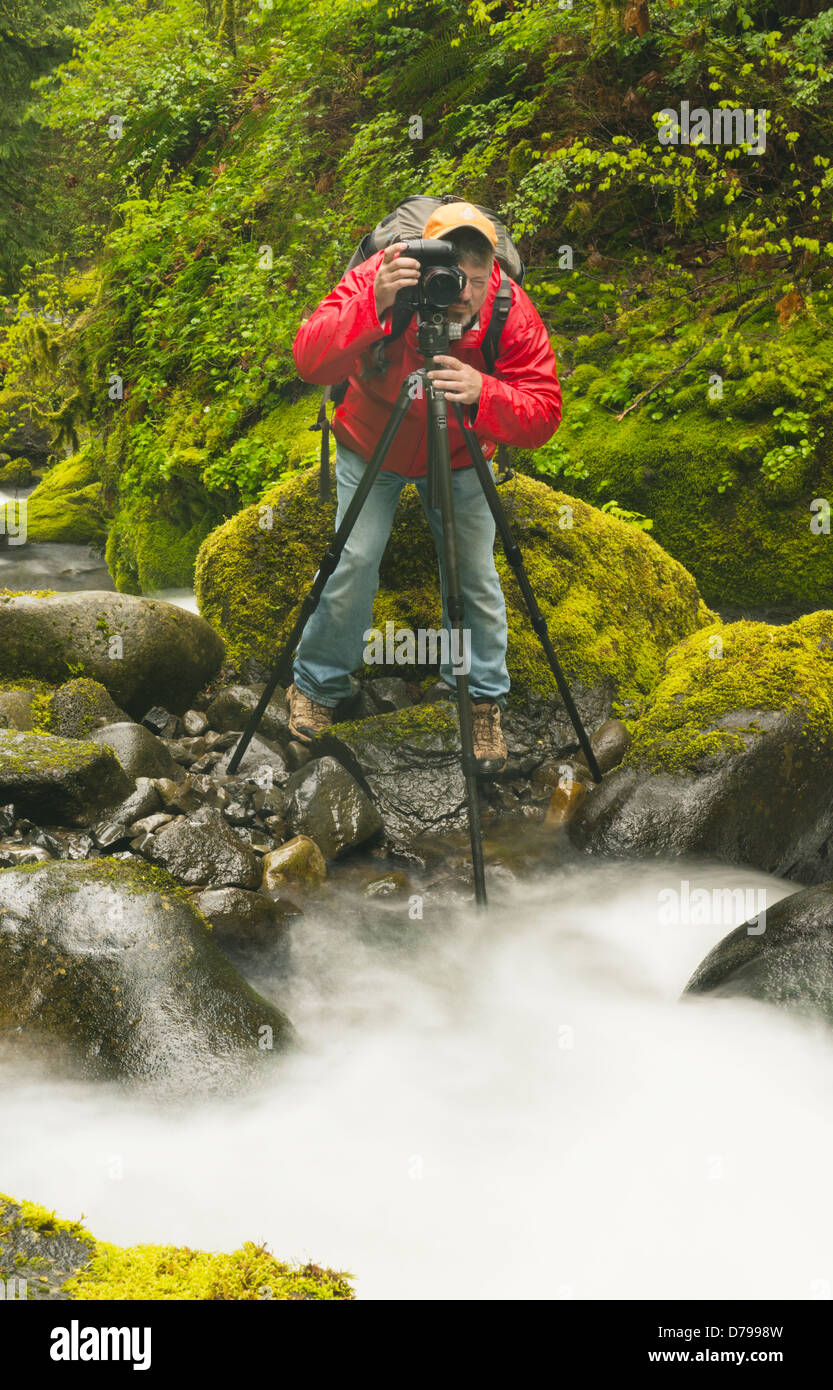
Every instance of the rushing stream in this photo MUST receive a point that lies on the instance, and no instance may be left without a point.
(515, 1107)
(510, 1107)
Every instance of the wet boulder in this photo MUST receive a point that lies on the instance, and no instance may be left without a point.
(140, 754)
(142, 801)
(203, 850)
(233, 706)
(783, 956)
(609, 743)
(389, 693)
(242, 919)
(408, 762)
(732, 756)
(264, 762)
(298, 863)
(57, 780)
(144, 651)
(326, 803)
(108, 968)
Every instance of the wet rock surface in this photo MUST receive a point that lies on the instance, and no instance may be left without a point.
(326, 803)
(233, 706)
(767, 805)
(56, 780)
(409, 765)
(732, 756)
(203, 849)
(108, 968)
(140, 754)
(242, 919)
(789, 963)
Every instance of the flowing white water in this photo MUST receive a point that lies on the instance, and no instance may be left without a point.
(517, 1108)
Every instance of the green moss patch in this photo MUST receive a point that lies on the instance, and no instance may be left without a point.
(762, 667)
(66, 505)
(102, 1271)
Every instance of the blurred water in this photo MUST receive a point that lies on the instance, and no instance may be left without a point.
(510, 1107)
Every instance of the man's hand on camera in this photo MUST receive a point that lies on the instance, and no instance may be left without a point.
(395, 273)
(457, 380)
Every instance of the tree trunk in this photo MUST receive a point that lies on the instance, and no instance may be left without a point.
(226, 36)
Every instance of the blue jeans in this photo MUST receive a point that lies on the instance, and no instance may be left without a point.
(332, 643)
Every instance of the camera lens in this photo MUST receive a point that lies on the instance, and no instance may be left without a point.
(441, 285)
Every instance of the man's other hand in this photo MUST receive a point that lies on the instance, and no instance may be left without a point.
(396, 272)
(457, 380)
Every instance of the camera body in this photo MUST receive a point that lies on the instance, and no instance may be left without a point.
(441, 279)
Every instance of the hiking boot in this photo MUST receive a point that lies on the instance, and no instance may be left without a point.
(489, 744)
(306, 717)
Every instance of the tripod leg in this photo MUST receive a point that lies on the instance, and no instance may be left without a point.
(280, 670)
(438, 433)
(513, 555)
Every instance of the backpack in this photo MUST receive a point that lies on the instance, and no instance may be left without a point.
(405, 222)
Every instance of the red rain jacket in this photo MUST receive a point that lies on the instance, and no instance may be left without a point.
(520, 404)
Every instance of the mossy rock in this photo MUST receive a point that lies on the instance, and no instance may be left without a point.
(109, 971)
(613, 601)
(143, 651)
(57, 780)
(78, 707)
(17, 472)
(51, 1259)
(147, 550)
(66, 504)
(72, 710)
(722, 669)
(732, 755)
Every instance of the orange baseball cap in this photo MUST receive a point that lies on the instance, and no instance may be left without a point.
(451, 216)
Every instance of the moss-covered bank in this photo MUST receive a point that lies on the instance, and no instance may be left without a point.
(159, 525)
(732, 458)
(60, 1259)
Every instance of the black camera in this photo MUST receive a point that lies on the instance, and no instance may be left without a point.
(441, 279)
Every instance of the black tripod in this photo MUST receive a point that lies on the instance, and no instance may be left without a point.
(432, 338)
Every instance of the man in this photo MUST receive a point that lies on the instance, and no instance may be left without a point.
(520, 404)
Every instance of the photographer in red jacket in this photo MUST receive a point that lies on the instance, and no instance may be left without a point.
(520, 404)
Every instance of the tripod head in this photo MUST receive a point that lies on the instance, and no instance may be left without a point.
(434, 331)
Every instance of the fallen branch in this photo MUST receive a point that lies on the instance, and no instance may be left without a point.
(739, 319)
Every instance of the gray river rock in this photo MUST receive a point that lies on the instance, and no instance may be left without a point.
(788, 963)
(145, 652)
(108, 971)
(327, 804)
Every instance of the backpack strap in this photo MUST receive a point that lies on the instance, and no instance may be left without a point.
(490, 348)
